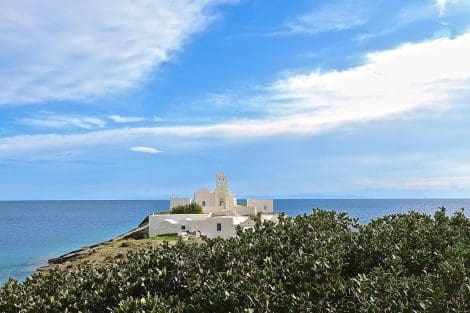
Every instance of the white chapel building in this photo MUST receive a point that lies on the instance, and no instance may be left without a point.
(221, 213)
(222, 201)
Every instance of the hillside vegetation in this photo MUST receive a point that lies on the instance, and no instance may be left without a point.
(109, 252)
(321, 262)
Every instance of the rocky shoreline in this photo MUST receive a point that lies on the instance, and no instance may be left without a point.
(141, 232)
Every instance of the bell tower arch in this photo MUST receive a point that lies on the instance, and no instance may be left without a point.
(222, 193)
(221, 180)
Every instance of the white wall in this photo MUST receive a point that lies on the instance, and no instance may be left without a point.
(245, 210)
(212, 209)
(174, 202)
(163, 228)
(228, 224)
(222, 193)
(160, 224)
(209, 227)
(262, 205)
(204, 194)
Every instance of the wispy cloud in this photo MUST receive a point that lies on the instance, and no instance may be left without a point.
(331, 16)
(412, 76)
(442, 5)
(50, 120)
(87, 48)
(430, 75)
(126, 119)
(412, 13)
(220, 100)
(437, 11)
(144, 150)
(158, 119)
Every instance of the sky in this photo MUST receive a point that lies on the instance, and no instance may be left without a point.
(142, 99)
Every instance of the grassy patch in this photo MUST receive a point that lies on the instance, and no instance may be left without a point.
(143, 242)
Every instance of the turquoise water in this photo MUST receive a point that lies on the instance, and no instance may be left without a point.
(33, 231)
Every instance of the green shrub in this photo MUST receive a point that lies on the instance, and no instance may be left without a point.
(192, 208)
(322, 262)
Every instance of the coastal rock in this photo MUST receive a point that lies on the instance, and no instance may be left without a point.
(140, 232)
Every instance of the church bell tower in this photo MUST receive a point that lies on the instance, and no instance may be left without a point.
(221, 180)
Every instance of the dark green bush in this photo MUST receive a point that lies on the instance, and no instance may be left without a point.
(322, 262)
(192, 208)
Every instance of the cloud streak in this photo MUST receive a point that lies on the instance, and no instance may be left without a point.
(430, 75)
(332, 16)
(147, 150)
(126, 119)
(52, 120)
(442, 5)
(49, 120)
(83, 49)
(413, 76)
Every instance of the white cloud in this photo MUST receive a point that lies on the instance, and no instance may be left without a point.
(442, 5)
(444, 12)
(144, 150)
(79, 49)
(158, 119)
(126, 119)
(52, 120)
(332, 16)
(414, 12)
(431, 75)
(413, 76)
(49, 120)
(219, 100)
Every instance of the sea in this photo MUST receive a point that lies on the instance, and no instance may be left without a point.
(31, 232)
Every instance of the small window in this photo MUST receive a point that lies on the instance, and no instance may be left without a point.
(221, 203)
(219, 227)
(183, 227)
(203, 203)
(265, 207)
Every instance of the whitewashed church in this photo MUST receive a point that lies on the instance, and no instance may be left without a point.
(221, 213)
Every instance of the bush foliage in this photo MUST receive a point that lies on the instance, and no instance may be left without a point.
(192, 208)
(322, 262)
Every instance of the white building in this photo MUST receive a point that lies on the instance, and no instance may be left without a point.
(222, 201)
(221, 213)
(161, 224)
(199, 224)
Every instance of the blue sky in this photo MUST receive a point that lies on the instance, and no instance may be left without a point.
(147, 99)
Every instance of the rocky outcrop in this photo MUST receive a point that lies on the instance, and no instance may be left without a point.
(140, 232)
